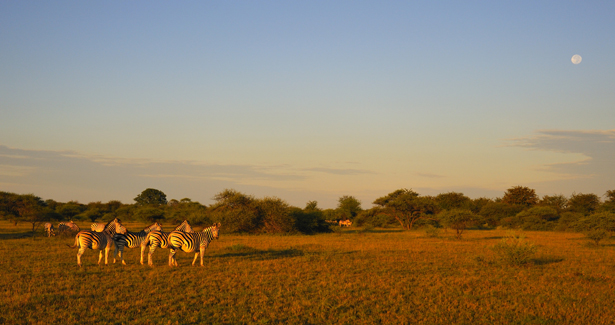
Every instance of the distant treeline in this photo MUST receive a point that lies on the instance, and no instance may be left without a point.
(518, 208)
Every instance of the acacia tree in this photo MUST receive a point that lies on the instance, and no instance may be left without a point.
(151, 196)
(458, 219)
(520, 195)
(453, 200)
(406, 206)
(236, 210)
(349, 206)
(583, 203)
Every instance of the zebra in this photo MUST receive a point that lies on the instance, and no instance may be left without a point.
(190, 242)
(160, 239)
(95, 240)
(49, 229)
(98, 227)
(132, 240)
(70, 226)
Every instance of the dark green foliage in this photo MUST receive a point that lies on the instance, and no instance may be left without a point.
(275, 216)
(406, 206)
(151, 196)
(453, 200)
(583, 203)
(69, 211)
(458, 219)
(520, 195)
(148, 214)
(493, 212)
(558, 202)
(535, 218)
(348, 207)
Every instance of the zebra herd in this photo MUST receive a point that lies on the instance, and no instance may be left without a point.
(113, 234)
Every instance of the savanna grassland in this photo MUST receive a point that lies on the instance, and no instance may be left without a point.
(348, 277)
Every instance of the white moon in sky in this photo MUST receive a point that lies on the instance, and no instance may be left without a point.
(576, 59)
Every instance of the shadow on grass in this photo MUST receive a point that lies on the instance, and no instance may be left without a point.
(17, 235)
(260, 255)
(544, 260)
(372, 231)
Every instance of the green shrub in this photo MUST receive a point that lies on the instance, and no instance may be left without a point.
(515, 250)
(431, 231)
(597, 235)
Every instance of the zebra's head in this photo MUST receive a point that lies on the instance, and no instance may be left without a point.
(215, 230)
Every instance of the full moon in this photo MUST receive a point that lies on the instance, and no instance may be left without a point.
(576, 59)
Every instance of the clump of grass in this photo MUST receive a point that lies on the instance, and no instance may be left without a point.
(432, 232)
(514, 249)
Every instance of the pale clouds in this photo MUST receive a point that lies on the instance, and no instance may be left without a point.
(594, 174)
(68, 175)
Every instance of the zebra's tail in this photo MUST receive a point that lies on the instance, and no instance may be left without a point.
(76, 242)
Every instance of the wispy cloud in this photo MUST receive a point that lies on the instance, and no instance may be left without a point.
(339, 171)
(595, 171)
(68, 175)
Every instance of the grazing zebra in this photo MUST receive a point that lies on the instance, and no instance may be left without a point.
(160, 239)
(345, 223)
(132, 240)
(95, 240)
(70, 226)
(190, 242)
(49, 229)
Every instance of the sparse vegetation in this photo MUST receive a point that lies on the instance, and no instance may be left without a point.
(381, 276)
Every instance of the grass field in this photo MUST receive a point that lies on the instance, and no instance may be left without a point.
(352, 277)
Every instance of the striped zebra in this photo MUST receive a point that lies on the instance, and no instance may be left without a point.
(131, 240)
(95, 240)
(99, 227)
(160, 239)
(49, 229)
(190, 242)
(70, 226)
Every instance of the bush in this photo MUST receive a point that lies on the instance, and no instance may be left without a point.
(597, 235)
(431, 231)
(515, 250)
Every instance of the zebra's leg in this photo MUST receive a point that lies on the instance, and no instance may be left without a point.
(202, 249)
(142, 251)
(149, 255)
(172, 257)
(79, 253)
(100, 255)
(196, 255)
(107, 249)
(122, 256)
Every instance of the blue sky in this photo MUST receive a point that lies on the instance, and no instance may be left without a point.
(305, 100)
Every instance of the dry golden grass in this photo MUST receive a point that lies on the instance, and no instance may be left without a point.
(383, 276)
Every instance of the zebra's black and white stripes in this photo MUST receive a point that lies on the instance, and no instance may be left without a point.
(65, 227)
(190, 242)
(160, 239)
(95, 240)
(131, 240)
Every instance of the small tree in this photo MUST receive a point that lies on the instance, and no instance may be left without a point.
(453, 200)
(458, 219)
(520, 195)
(406, 207)
(275, 215)
(348, 206)
(151, 196)
(583, 203)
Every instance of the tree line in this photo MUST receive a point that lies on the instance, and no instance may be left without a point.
(518, 208)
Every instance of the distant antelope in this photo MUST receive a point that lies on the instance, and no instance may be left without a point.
(345, 223)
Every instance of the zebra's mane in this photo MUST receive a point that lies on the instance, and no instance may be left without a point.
(185, 226)
(116, 220)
